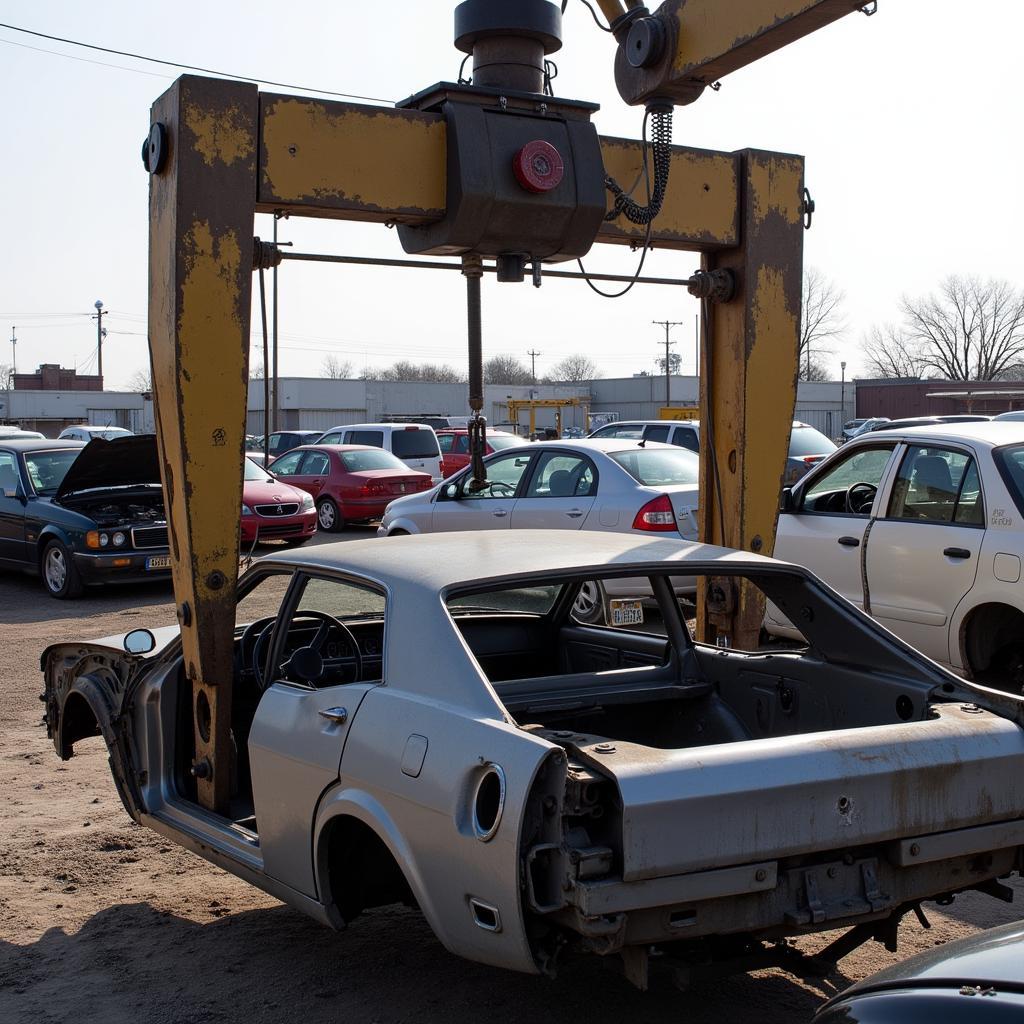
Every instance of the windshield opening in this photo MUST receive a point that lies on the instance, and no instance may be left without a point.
(808, 441)
(501, 441)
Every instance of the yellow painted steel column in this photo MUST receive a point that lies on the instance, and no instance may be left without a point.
(748, 385)
(202, 204)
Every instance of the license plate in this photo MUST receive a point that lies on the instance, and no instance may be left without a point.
(158, 562)
(626, 613)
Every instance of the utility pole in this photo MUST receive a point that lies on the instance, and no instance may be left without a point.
(100, 335)
(14, 351)
(667, 324)
(273, 416)
(533, 364)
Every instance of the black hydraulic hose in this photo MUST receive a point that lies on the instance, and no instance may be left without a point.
(472, 269)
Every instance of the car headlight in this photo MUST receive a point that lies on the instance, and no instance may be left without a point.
(307, 502)
(104, 540)
(246, 511)
(118, 539)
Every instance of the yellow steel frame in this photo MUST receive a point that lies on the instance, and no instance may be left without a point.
(233, 152)
(515, 405)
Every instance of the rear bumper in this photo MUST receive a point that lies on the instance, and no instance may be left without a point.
(120, 567)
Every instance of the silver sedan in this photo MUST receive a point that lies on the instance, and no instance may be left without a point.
(620, 485)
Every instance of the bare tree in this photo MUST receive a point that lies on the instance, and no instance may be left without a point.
(675, 363)
(141, 382)
(822, 323)
(406, 370)
(5, 375)
(574, 369)
(506, 370)
(335, 369)
(890, 353)
(970, 330)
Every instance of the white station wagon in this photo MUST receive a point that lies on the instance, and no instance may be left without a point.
(421, 720)
(924, 529)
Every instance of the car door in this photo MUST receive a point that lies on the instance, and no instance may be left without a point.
(12, 510)
(287, 467)
(825, 530)
(312, 473)
(299, 730)
(922, 554)
(459, 508)
(560, 494)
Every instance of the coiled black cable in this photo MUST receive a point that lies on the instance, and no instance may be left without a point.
(661, 155)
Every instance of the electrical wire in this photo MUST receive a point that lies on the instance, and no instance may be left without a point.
(85, 60)
(191, 67)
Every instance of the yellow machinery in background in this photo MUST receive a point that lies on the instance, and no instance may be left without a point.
(679, 412)
(517, 405)
(508, 179)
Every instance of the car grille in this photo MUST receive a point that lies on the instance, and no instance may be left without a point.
(266, 532)
(278, 510)
(149, 536)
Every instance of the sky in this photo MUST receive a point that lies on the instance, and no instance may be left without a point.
(913, 157)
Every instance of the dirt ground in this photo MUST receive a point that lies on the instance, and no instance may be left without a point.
(101, 920)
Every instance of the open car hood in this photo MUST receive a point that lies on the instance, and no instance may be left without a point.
(122, 462)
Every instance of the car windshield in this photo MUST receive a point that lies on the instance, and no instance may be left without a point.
(414, 444)
(501, 441)
(657, 466)
(808, 441)
(47, 470)
(1011, 468)
(526, 600)
(375, 458)
(254, 472)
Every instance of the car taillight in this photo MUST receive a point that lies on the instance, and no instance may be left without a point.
(656, 516)
(812, 459)
(425, 485)
(369, 489)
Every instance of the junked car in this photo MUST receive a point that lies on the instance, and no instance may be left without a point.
(538, 786)
(81, 514)
(619, 485)
(921, 527)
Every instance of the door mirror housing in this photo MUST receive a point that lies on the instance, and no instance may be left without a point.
(787, 501)
(139, 641)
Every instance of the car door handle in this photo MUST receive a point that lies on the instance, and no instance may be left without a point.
(574, 513)
(849, 542)
(500, 513)
(957, 553)
(339, 715)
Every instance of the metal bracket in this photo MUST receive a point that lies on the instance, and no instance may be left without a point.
(809, 207)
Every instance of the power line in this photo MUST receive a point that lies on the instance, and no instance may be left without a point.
(190, 67)
(85, 60)
(667, 324)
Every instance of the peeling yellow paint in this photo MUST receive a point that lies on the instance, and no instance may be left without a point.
(777, 187)
(770, 400)
(220, 137)
(390, 160)
(701, 201)
(710, 28)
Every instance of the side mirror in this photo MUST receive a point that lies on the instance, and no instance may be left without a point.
(451, 491)
(17, 492)
(139, 641)
(787, 503)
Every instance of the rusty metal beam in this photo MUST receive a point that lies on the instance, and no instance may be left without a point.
(202, 203)
(354, 162)
(705, 40)
(748, 377)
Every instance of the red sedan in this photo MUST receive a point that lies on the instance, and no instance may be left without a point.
(274, 510)
(454, 444)
(349, 482)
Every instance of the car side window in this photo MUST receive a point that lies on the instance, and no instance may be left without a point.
(314, 464)
(939, 486)
(330, 439)
(562, 476)
(461, 446)
(373, 438)
(686, 437)
(831, 492)
(658, 433)
(445, 442)
(503, 478)
(8, 475)
(277, 442)
(287, 465)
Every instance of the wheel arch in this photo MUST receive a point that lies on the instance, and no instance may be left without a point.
(985, 630)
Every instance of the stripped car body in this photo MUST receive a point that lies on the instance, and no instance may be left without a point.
(534, 783)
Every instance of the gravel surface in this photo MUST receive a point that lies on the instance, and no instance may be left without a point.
(103, 921)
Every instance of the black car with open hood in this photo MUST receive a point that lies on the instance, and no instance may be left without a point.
(79, 514)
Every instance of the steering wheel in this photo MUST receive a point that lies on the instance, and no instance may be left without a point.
(503, 488)
(306, 662)
(861, 505)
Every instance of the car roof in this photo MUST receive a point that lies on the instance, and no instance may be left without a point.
(336, 448)
(377, 426)
(608, 445)
(991, 432)
(435, 561)
(35, 444)
(649, 423)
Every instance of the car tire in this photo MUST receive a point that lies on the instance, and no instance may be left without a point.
(297, 542)
(1007, 670)
(589, 604)
(59, 572)
(399, 533)
(328, 516)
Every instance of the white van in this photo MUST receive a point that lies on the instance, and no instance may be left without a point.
(414, 443)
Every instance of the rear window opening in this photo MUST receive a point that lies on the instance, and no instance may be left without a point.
(656, 467)
(414, 444)
(358, 462)
(808, 441)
